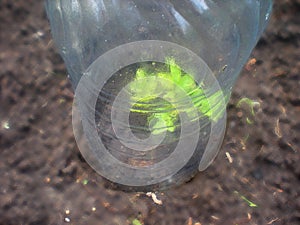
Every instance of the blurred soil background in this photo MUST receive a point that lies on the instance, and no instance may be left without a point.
(44, 180)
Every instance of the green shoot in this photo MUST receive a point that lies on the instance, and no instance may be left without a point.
(85, 182)
(250, 203)
(251, 104)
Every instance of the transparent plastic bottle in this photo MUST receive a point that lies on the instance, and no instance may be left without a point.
(152, 80)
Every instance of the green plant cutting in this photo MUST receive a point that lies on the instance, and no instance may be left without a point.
(157, 93)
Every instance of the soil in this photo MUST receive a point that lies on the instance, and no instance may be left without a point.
(45, 180)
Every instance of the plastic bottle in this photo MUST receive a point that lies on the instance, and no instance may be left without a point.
(152, 80)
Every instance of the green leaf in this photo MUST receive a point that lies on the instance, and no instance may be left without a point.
(187, 83)
(140, 73)
(136, 222)
(174, 69)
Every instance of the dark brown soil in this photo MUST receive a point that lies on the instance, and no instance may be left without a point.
(44, 180)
